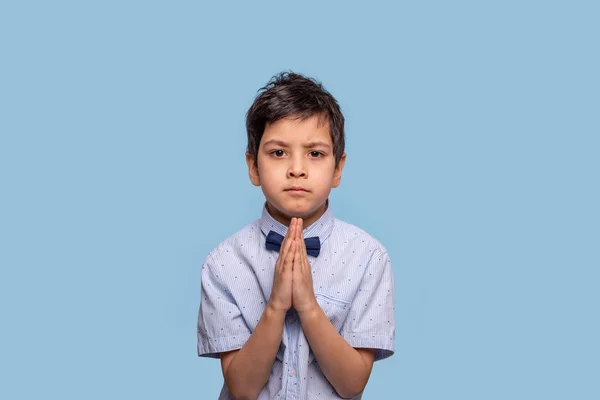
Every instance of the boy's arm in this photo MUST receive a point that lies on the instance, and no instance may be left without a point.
(248, 369)
(346, 368)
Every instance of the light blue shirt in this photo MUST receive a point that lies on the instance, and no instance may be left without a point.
(353, 284)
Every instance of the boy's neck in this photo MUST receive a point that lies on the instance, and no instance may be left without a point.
(306, 222)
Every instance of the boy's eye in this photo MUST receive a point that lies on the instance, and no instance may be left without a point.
(281, 153)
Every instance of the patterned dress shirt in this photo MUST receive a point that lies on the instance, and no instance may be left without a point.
(353, 284)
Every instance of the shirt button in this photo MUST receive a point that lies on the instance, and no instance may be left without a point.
(292, 372)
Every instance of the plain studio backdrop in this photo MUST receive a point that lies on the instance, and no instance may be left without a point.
(473, 156)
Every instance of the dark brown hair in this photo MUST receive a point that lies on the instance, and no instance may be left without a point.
(289, 94)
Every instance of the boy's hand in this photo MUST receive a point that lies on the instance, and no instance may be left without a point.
(281, 294)
(303, 294)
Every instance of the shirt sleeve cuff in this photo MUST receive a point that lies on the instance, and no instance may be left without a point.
(211, 347)
(382, 343)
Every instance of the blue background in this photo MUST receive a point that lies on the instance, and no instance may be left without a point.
(473, 156)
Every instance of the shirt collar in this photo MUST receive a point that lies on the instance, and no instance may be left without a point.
(321, 227)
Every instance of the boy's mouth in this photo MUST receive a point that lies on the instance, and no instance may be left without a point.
(297, 189)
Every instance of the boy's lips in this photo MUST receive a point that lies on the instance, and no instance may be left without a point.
(296, 190)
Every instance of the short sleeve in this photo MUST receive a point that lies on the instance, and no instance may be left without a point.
(370, 322)
(221, 326)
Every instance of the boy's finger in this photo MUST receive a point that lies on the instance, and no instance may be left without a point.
(289, 236)
(305, 263)
(290, 227)
(296, 230)
(291, 254)
(296, 264)
(286, 237)
(285, 242)
(301, 236)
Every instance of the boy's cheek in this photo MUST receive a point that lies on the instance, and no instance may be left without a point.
(272, 177)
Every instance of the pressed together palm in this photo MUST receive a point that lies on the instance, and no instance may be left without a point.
(292, 281)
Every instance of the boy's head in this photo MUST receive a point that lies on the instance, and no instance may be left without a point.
(295, 140)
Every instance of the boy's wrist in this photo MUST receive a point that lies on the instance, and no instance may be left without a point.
(310, 312)
(274, 311)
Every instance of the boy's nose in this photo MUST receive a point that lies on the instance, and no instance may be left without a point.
(296, 170)
(296, 173)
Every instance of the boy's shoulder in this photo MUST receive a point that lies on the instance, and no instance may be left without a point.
(357, 236)
(231, 245)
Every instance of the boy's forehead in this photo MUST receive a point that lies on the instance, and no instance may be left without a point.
(295, 130)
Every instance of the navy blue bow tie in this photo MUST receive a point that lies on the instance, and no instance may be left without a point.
(313, 244)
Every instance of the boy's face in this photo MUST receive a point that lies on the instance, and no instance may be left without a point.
(296, 154)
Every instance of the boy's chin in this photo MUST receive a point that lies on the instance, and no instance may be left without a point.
(296, 211)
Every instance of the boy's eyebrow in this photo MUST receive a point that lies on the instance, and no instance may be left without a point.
(307, 145)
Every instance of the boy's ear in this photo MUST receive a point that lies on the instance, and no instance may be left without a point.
(337, 173)
(252, 169)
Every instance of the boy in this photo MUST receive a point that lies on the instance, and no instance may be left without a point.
(297, 304)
